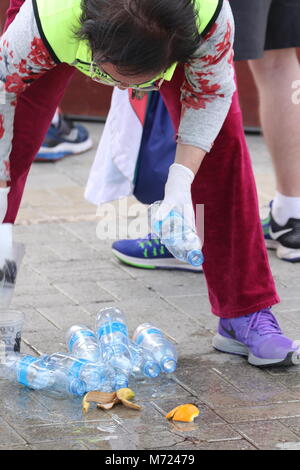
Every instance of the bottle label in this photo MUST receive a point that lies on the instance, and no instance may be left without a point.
(23, 367)
(75, 370)
(76, 336)
(113, 327)
(150, 331)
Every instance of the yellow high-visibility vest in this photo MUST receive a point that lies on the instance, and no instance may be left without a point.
(58, 20)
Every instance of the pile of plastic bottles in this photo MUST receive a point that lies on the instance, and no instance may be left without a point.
(102, 360)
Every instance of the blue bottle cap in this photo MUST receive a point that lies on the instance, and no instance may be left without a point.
(152, 369)
(195, 258)
(168, 365)
(77, 387)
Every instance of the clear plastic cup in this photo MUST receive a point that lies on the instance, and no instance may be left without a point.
(11, 323)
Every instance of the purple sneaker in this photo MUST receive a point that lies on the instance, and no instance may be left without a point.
(259, 337)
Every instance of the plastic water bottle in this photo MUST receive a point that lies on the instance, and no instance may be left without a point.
(143, 362)
(153, 339)
(32, 372)
(82, 343)
(120, 380)
(180, 239)
(112, 334)
(92, 374)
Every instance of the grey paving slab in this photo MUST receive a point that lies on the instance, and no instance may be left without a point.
(15, 448)
(268, 435)
(8, 435)
(290, 380)
(54, 299)
(60, 445)
(84, 291)
(293, 424)
(66, 316)
(43, 234)
(49, 433)
(19, 406)
(259, 413)
(236, 444)
(27, 276)
(86, 232)
(110, 442)
(198, 307)
(52, 340)
(127, 289)
(179, 284)
(35, 321)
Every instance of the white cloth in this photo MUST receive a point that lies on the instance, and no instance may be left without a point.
(113, 171)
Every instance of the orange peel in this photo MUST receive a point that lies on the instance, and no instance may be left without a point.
(185, 413)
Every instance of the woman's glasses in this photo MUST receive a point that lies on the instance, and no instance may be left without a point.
(100, 76)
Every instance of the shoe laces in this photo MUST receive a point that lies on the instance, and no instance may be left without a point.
(148, 241)
(264, 322)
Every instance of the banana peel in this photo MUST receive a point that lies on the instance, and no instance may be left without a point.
(185, 413)
(106, 401)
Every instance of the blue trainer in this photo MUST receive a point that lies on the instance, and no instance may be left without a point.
(149, 253)
(62, 140)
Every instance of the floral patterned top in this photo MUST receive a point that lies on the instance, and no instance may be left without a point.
(206, 92)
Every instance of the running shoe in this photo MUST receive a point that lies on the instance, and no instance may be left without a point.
(64, 139)
(259, 337)
(149, 253)
(285, 239)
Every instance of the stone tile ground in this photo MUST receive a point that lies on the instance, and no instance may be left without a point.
(68, 275)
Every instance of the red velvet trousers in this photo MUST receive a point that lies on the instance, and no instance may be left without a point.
(236, 265)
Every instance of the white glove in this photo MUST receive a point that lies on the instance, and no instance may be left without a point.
(3, 203)
(178, 194)
(8, 267)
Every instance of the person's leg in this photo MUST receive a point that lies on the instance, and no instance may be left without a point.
(34, 112)
(274, 74)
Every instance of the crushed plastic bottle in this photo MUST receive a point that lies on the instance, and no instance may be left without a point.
(120, 380)
(153, 339)
(143, 362)
(112, 334)
(94, 375)
(33, 372)
(82, 343)
(180, 239)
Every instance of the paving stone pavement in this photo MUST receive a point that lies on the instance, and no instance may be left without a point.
(68, 275)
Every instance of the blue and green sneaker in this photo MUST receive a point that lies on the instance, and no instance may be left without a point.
(62, 140)
(149, 253)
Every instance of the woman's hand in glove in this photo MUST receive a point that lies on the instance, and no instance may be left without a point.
(178, 186)
(178, 194)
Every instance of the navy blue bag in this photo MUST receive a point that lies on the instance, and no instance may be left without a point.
(157, 152)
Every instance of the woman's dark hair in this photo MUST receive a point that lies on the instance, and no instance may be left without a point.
(140, 36)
